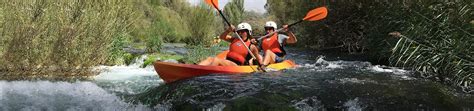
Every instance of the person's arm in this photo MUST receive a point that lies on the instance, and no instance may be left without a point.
(254, 50)
(256, 43)
(225, 35)
(291, 37)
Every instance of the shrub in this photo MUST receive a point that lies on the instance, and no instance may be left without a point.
(55, 38)
(154, 38)
(173, 28)
(202, 25)
(234, 11)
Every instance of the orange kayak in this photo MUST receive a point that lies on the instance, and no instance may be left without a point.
(171, 72)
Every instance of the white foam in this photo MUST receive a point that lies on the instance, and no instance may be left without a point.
(322, 64)
(123, 72)
(217, 107)
(396, 71)
(321, 60)
(353, 105)
(379, 68)
(334, 66)
(355, 80)
(309, 104)
(45, 95)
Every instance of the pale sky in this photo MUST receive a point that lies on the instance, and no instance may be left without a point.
(255, 5)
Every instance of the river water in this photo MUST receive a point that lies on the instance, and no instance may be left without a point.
(319, 83)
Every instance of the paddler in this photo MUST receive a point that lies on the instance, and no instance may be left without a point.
(238, 54)
(272, 46)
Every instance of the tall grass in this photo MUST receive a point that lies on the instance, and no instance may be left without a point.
(2, 39)
(438, 42)
(49, 38)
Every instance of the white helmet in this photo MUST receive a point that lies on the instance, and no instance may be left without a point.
(271, 24)
(245, 26)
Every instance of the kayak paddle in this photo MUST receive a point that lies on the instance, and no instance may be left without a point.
(214, 3)
(313, 15)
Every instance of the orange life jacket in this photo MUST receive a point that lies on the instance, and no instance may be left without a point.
(238, 52)
(271, 43)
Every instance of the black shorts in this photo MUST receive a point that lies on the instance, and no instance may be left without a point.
(280, 57)
(237, 62)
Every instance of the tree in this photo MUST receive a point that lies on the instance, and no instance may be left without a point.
(234, 11)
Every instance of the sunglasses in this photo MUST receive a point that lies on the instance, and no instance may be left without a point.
(241, 31)
(268, 28)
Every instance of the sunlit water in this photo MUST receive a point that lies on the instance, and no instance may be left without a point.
(317, 84)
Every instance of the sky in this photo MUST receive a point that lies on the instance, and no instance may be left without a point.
(254, 5)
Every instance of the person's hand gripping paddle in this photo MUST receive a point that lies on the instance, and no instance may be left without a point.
(313, 15)
(214, 3)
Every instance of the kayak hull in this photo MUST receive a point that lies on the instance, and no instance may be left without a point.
(171, 72)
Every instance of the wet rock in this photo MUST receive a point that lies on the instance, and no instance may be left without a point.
(134, 51)
(173, 45)
(174, 48)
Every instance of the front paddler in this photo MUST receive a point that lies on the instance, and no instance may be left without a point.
(238, 54)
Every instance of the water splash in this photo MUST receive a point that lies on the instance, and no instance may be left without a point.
(46, 95)
(353, 105)
(355, 80)
(322, 65)
(123, 72)
(309, 104)
(403, 74)
(217, 107)
(131, 79)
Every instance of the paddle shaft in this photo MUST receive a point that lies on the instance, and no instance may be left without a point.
(240, 38)
(279, 30)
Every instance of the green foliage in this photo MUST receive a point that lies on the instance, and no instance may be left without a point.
(234, 11)
(49, 36)
(176, 21)
(436, 35)
(172, 27)
(257, 20)
(198, 53)
(154, 38)
(437, 41)
(202, 25)
(160, 56)
(308, 33)
(116, 54)
(129, 58)
(3, 40)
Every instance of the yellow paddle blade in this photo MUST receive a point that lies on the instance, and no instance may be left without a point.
(213, 3)
(316, 14)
